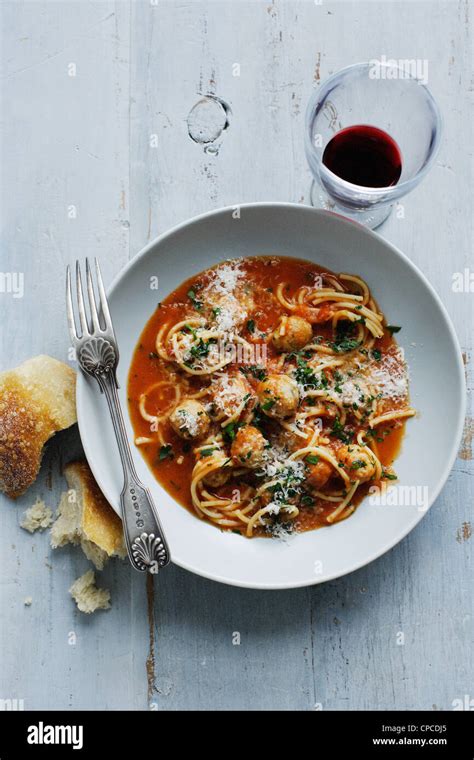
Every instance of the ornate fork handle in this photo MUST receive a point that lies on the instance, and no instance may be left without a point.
(147, 547)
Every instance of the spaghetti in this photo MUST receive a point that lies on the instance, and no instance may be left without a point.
(268, 395)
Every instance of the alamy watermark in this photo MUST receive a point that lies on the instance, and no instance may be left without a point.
(42, 733)
(463, 703)
(463, 282)
(12, 283)
(395, 495)
(401, 68)
(11, 704)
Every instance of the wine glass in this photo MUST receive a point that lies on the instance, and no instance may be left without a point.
(377, 94)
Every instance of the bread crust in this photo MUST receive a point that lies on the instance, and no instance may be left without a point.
(37, 399)
(99, 524)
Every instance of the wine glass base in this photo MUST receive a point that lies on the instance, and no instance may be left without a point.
(371, 218)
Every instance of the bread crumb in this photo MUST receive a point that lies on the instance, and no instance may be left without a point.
(37, 517)
(67, 529)
(27, 601)
(87, 596)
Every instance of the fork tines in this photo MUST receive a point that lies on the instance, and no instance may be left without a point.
(89, 327)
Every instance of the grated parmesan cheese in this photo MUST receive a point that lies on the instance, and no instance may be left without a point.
(229, 393)
(289, 472)
(390, 375)
(225, 277)
(387, 378)
(282, 531)
(189, 422)
(230, 312)
(352, 391)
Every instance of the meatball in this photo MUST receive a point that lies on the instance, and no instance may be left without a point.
(358, 463)
(277, 496)
(248, 447)
(218, 478)
(318, 474)
(228, 311)
(229, 393)
(278, 396)
(189, 419)
(292, 334)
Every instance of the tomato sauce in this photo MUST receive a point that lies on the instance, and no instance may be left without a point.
(262, 276)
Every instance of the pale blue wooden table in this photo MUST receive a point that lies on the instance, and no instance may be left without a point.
(97, 160)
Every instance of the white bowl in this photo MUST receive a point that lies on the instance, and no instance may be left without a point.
(436, 385)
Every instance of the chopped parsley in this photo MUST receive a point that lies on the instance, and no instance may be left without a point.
(345, 345)
(344, 340)
(230, 430)
(191, 330)
(393, 329)
(251, 326)
(166, 452)
(340, 432)
(208, 452)
(201, 349)
(338, 380)
(259, 419)
(372, 433)
(359, 464)
(257, 372)
(195, 301)
(312, 458)
(306, 376)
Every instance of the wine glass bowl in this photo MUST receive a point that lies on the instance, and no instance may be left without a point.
(367, 95)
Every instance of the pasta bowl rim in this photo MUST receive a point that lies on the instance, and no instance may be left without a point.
(89, 406)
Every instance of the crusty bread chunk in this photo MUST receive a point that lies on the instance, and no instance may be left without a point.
(85, 517)
(37, 517)
(87, 596)
(36, 400)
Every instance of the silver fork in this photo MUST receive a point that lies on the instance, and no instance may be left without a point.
(97, 354)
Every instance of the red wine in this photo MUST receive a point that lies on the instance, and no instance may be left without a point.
(365, 156)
